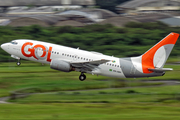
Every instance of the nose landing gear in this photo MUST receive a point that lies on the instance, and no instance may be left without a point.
(82, 77)
(18, 63)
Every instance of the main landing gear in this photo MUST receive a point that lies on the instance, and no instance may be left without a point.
(18, 63)
(82, 77)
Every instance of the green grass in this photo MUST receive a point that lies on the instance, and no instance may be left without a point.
(126, 95)
(172, 59)
(84, 111)
(85, 103)
(34, 75)
(149, 103)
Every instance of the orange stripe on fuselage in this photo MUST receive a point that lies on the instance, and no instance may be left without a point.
(147, 58)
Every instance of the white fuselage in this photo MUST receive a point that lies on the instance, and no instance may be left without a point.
(44, 52)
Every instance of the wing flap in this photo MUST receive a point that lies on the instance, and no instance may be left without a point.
(90, 65)
(97, 62)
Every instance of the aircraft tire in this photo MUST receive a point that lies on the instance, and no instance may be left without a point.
(82, 77)
(18, 63)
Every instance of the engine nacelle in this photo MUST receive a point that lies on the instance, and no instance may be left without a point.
(60, 65)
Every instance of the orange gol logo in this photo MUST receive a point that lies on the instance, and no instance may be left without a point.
(33, 51)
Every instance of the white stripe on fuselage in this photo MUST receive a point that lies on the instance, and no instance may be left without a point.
(110, 69)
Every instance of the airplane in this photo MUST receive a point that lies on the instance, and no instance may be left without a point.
(68, 59)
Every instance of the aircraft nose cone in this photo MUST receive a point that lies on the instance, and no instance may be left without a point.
(3, 46)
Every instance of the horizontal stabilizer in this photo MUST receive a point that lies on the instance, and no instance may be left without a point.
(160, 69)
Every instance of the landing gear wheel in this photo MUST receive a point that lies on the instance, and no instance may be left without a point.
(18, 63)
(82, 77)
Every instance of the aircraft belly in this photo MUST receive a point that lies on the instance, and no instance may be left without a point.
(112, 72)
(36, 60)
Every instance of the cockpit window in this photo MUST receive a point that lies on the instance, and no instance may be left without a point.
(14, 42)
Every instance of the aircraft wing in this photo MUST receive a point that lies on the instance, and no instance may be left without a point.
(89, 65)
(160, 69)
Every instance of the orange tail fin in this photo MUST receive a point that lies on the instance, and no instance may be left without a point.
(158, 54)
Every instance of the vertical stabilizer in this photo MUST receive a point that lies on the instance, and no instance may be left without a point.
(158, 54)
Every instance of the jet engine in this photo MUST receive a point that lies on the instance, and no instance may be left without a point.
(61, 65)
